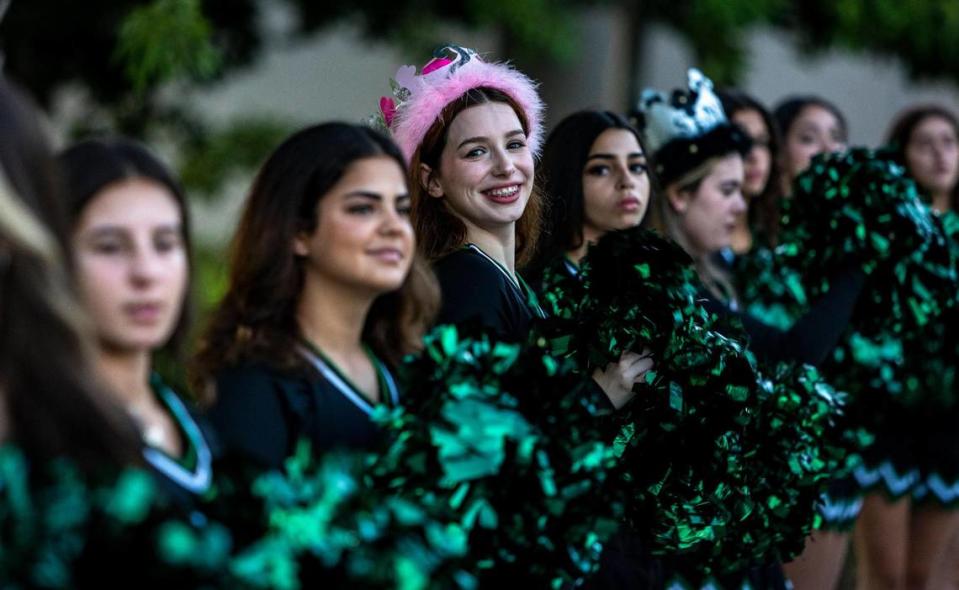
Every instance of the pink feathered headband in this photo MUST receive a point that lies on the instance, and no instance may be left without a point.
(418, 99)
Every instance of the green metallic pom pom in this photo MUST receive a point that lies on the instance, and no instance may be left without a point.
(509, 442)
(860, 209)
(63, 527)
(719, 468)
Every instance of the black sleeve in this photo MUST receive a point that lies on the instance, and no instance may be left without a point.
(595, 393)
(814, 335)
(249, 417)
(473, 291)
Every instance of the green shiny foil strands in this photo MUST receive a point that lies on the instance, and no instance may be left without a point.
(769, 289)
(694, 466)
(635, 290)
(62, 529)
(801, 431)
(859, 208)
(932, 367)
(774, 292)
(317, 523)
(936, 363)
(560, 291)
(328, 527)
(507, 441)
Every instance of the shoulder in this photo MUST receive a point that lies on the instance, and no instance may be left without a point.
(470, 286)
(251, 413)
(257, 385)
(466, 266)
(244, 378)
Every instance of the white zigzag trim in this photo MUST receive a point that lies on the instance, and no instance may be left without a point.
(943, 492)
(897, 484)
(839, 510)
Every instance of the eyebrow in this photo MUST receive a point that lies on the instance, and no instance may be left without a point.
(479, 139)
(365, 195)
(815, 126)
(613, 157)
(373, 196)
(106, 229)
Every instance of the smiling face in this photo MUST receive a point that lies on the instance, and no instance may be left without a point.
(758, 162)
(615, 184)
(132, 265)
(815, 131)
(707, 214)
(363, 238)
(932, 155)
(486, 168)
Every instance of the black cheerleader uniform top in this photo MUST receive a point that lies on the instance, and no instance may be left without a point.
(477, 288)
(191, 474)
(261, 412)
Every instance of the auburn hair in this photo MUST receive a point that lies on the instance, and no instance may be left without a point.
(438, 230)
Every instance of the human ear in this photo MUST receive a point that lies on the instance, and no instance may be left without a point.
(429, 182)
(301, 245)
(678, 199)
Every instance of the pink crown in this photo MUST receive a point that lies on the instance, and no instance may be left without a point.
(418, 99)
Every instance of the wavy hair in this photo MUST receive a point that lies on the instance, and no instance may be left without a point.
(256, 320)
(438, 230)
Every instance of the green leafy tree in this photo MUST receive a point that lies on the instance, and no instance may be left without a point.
(924, 34)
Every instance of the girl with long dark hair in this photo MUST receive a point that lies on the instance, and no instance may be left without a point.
(595, 171)
(326, 295)
(131, 249)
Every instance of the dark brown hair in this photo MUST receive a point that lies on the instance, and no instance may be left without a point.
(47, 383)
(789, 109)
(438, 230)
(764, 212)
(901, 134)
(256, 321)
(92, 165)
(561, 172)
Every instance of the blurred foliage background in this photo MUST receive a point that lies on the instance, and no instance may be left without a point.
(132, 58)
